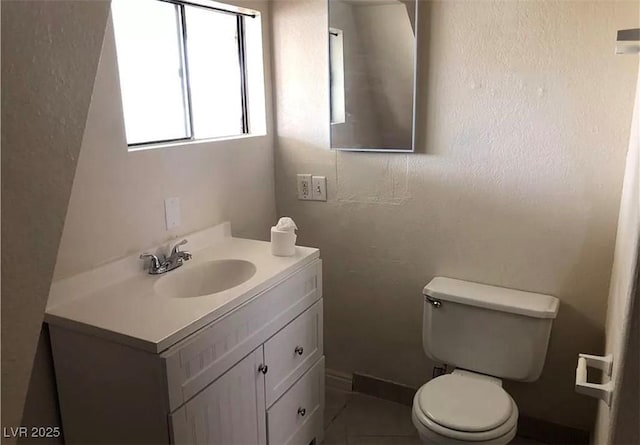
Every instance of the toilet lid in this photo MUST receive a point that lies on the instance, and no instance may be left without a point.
(465, 404)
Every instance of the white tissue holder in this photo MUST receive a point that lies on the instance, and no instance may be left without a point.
(602, 391)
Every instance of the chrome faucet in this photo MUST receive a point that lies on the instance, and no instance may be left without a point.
(160, 264)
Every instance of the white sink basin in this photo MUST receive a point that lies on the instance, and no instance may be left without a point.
(204, 279)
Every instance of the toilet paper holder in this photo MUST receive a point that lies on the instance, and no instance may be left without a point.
(603, 391)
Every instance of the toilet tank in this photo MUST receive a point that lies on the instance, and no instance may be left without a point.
(487, 329)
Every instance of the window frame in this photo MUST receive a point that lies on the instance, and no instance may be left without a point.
(184, 64)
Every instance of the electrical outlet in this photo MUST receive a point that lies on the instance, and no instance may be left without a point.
(172, 212)
(319, 188)
(304, 187)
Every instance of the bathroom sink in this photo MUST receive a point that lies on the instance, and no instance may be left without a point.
(205, 278)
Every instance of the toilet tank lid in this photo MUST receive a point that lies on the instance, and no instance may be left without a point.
(492, 297)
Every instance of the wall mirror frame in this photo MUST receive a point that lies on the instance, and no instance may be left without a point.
(372, 74)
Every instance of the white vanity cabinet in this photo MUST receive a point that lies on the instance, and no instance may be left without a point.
(253, 376)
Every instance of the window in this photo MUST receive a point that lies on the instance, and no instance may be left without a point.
(183, 70)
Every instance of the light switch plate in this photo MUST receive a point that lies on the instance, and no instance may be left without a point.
(304, 187)
(172, 212)
(319, 188)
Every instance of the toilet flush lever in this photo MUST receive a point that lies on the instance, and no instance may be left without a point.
(434, 301)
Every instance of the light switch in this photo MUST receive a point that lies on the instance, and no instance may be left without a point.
(319, 188)
(172, 212)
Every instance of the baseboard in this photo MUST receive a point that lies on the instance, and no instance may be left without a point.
(549, 432)
(338, 380)
(383, 389)
(528, 427)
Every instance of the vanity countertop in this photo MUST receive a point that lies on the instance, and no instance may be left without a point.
(117, 301)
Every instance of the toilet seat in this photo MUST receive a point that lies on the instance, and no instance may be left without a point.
(465, 403)
(432, 438)
(466, 407)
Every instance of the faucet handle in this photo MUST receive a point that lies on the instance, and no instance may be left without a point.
(176, 248)
(155, 261)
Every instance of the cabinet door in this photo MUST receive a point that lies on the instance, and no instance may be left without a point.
(230, 411)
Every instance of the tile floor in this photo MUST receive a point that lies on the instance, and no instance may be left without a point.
(358, 419)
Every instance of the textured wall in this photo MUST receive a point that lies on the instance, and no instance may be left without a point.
(117, 203)
(622, 341)
(522, 131)
(50, 53)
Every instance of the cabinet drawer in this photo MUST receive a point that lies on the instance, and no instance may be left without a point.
(292, 351)
(195, 362)
(296, 418)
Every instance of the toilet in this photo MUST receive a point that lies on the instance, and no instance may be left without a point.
(486, 333)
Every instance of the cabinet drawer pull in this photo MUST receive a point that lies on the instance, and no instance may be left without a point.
(299, 350)
(302, 411)
(263, 368)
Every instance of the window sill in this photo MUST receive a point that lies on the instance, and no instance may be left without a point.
(176, 144)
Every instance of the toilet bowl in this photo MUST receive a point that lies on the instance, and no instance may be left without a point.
(487, 333)
(462, 408)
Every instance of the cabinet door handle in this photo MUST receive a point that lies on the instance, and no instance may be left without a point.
(263, 368)
(299, 350)
(302, 411)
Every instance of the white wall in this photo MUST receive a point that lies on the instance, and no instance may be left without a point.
(117, 202)
(49, 58)
(522, 132)
(622, 293)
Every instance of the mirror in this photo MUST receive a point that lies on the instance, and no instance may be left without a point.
(372, 70)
